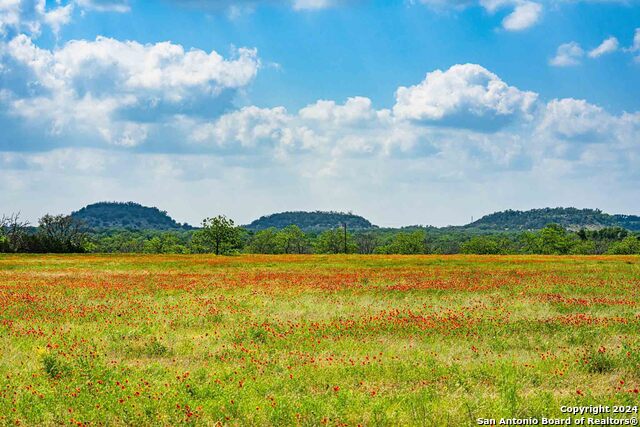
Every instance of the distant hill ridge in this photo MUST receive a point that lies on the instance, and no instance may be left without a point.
(126, 215)
(134, 216)
(311, 221)
(570, 218)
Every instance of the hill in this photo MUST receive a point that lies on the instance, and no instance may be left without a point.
(127, 215)
(311, 221)
(570, 218)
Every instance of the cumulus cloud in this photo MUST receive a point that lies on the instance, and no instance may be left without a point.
(135, 96)
(58, 17)
(567, 55)
(608, 45)
(525, 15)
(351, 128)
(456, 4)
(29, 16)
(576, 119)
(587, 140)
(247, 127)
(522, 13)
(357, 110)
(465, 95)
(564, 136)
(235, 8)
(311, 4)
(635, 47)
(570, 54)
(119, 6)
(106, 83)
(583, 123)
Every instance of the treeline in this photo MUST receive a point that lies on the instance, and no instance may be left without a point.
(219, 235)
(54, 234)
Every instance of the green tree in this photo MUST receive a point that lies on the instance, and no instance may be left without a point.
(266, 242)
(555, 240)
(333, 242)
(584, 247)
(165, 243)
(531, 243)
(60, 233)
(407, 243)
(628, 246)
(292, 240)
(220, 234)
(482, 245)
(367, 242)
(13, 234)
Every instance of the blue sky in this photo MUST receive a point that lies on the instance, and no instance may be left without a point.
(408, 112)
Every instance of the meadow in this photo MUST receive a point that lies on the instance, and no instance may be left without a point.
(314, 340)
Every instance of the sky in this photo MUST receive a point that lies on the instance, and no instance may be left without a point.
(406, 112)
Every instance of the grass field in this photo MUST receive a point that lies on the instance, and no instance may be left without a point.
(314, 340)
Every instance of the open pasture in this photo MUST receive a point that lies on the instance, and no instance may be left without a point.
(314, 340)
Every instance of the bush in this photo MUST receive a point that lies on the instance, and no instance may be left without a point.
(628, 246)
(53, 367)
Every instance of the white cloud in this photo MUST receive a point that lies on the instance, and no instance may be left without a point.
(607, 46)
(311, 4)
(586, 140)
(357, 110)
(58, 17)
(525, 15)
(164, 69)
(567, 55)
(566, 137)
(29, 15)
(635, 47)
(465, 95)
(570, 54)
(101, 84)
(9, 14)
(126, 94)
(576, 118)
(456, 4)
(119, 6)
(247, 127)
(235, 9)
(351, 128)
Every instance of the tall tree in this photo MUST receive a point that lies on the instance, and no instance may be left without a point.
(407, 243)
(333, 242)
(221, 233)
(293, 240)
(266, 242)
(60, 233)
(555, 240)
(13, 233)
(367, 242)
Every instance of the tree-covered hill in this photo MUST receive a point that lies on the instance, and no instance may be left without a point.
(570, 218)
(133, 216)
(127, 215)
(311, 221)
